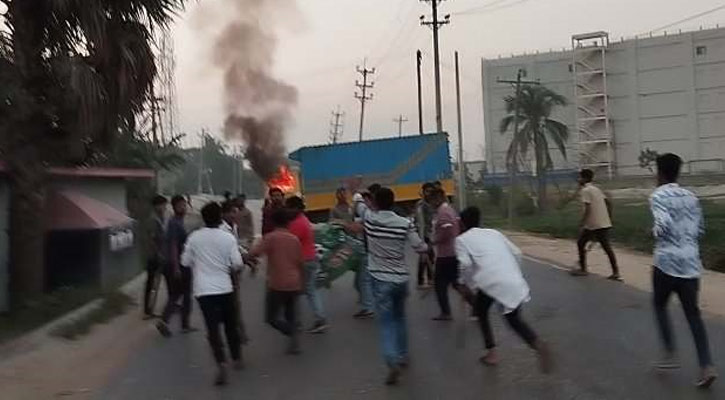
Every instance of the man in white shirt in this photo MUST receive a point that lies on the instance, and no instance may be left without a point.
(490, 273)
(230, 214)
(212, 254)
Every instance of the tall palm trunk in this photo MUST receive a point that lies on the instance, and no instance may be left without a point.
(24, 156)
(27, 231)
(540, 152)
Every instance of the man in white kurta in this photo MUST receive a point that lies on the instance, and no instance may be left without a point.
(490, 273)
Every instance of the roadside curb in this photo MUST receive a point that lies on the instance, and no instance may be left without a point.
(35, 338)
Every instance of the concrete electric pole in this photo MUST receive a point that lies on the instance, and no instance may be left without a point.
(200, 177)
(336, 126)
(400, 121)
(363, 95)
(435, 24)
(461, 163)
(419, 59)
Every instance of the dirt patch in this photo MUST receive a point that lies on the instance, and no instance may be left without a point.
(50, 367)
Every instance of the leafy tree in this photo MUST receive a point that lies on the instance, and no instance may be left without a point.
(536, 130)
(647, 158)
(80, 71)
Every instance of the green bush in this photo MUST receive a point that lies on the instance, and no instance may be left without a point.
(523, 203)
(495, 195)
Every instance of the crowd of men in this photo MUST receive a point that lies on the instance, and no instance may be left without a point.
(482, 265)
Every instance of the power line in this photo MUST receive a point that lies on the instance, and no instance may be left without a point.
(403, 30)
(479, 8)
(690, 18)
(392, 75)
(495, 6)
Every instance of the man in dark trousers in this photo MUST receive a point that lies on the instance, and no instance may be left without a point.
(212, 253)
(446, 227)
(424, 222)
(285, 277)
(178, 277)
(678, 226)
(596, 224)
(155, 261)
(230, 216)
(491, 273)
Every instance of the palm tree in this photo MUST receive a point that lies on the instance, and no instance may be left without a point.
(82, 70)
(536, 130)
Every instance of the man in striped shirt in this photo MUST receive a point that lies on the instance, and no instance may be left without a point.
(388, 235)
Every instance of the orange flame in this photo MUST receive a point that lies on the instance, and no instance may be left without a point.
(284, 180)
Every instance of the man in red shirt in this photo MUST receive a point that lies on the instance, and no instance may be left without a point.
(284, 276)
(302, 228)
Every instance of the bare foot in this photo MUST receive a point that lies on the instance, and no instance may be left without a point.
(546, 362)
(490, 358)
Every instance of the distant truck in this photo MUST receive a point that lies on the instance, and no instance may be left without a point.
(402, 164)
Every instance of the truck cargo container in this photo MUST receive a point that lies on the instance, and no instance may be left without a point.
(403, 164)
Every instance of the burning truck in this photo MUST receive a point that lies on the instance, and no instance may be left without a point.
(403, 164)
(287, 178)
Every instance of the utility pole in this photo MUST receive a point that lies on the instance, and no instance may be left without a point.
(241, 169)
(461, 164)
(154, 125)
(400, 121)
(419, 58)
(336, 126)
(435, 24)
(517, 109)
(363, 96)
(200, 185)
(235, 175)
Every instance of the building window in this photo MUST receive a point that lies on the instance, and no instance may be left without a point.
(700, 51)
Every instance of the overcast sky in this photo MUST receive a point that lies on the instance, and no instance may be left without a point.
(320, 45)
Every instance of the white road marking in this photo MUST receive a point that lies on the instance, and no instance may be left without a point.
(538, 261)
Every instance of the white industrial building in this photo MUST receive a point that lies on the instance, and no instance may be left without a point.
(665, 93)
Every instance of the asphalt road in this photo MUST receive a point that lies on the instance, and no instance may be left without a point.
(602, 333)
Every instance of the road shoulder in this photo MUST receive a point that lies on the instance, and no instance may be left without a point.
(635, 267)
(40, 366)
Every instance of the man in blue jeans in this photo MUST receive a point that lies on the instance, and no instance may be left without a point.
(301, 227)
(387, 235)
(363, 203)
